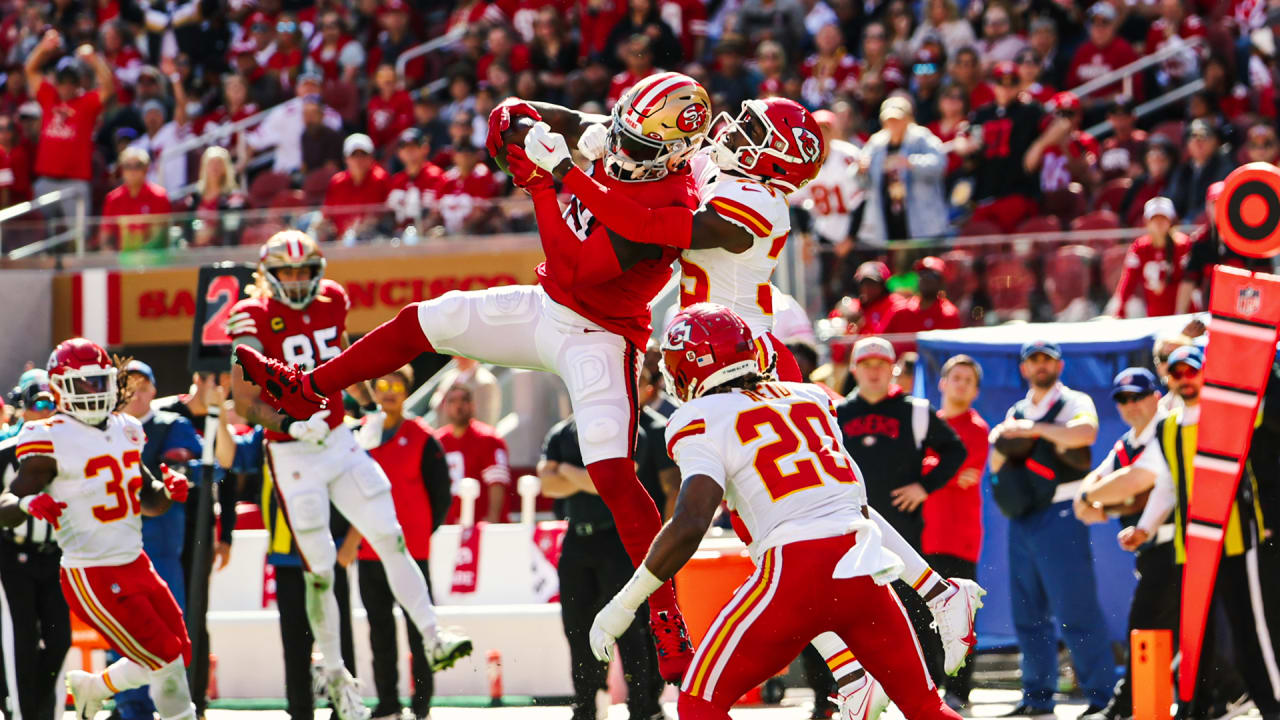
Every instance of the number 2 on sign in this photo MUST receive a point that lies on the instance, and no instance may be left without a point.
(221, 295)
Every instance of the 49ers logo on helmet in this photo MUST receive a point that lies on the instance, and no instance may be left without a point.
(692, 117)
(807, 142)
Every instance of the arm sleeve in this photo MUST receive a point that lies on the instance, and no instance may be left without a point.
(942, 440)
(34, 439)
(570, 261)
(689, 445)
(1162, 498)
(435, 476)
(671, 226)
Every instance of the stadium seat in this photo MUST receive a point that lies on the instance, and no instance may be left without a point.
(974, 228)
(288, 199)
(1173, 130)
(316, 183)
(959, 279)
(1097, 220)
(1113, 266)
(258, 234)
(1068, 274)
(1008, 283)
(1039, 225)
(1112, 195)
(1067, 204)
(343, 98)
(266, 186)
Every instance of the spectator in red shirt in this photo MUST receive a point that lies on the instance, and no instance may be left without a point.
(642, 18)
(15, 177)
(124, 59)
(596, 19)
(413, 189)
(1101, 53)
(1157, 161)
(952, 538)
(1174, 26)
(965, 71)
(337, 56)
(64, 155)
(931, 310)
(1064, 154)
(1029, 70)
(466, 194)
(473, 450)
(390, 109)
(1122, 151)
(999, 43)
(953, 109)
(876, 311)
(136, 214)
(286, 62)
(394, 40)
(830, 70)
(639, 57)
(356, 196)
(505, 50)
(1154, 264)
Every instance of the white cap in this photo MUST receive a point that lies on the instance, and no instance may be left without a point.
(869, 348)
(356, 142)
(1159, 206)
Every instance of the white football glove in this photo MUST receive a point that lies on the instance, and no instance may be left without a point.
(314, 429)
(241, 323)
(610, 622)
(545, 148)
(593, 141)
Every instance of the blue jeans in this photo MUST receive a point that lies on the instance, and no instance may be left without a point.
(1053, 588)
(162, 541)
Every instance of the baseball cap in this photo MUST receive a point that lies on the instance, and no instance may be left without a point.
(895, 107)
(1135, 380)
(930, 263)
(141, 368)
(824, 117)
(1159, 206)
(410, 136)
(126, 133)
(872, 270)
(870, 348)
(1214, 191)
(1188, 355)
(1043, 347)
(69, 68)
(1202, 127)
(30, 109)
(1103, 10)
(356, 142)
(1065, 100)
(1043, 22)
(1002, 70)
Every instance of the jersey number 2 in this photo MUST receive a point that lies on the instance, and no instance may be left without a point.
(126, 498)
(807, 420)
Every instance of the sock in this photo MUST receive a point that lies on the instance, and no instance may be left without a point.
(634, 514)
(123, 674)
(916, 572)
(388, 347)
(848, 672)
(169, 691)
(322, 616)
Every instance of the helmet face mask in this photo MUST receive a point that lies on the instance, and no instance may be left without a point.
(83, 381)
(657, 126)
(291, 250)
(775, 141)
(297, 294)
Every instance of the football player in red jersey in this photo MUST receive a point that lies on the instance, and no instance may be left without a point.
(591, 335)
(296, 316)
(81, 471)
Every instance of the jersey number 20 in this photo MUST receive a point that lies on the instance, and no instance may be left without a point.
(804, 420)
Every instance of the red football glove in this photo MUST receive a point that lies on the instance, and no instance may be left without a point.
(525, 174)
(500, 121)
(175, 484)
(42, 506)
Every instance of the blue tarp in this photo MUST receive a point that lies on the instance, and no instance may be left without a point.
(1094, 352)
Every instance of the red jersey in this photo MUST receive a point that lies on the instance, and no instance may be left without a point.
(346, 203)
(688, 18)
(1040, 92)
(478, 453)
(953, 515)
(596, 19)
(400, 457)
(20, 162)
(622, 305)
(326, 58)
(1155, 272)
(1091, 61)
(622, 82)
(1159, 32)
(980, 95)
(517, 61)
(523, 13)
(132, 228)
(306, 337)
(66, 134)
(388, 116)
(411, 197)
(941, 314)
(125, 65)
(1055, 172)
(1119, 156)
(823, 78)
(954, 159)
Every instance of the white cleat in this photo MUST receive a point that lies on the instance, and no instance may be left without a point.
(865, 703)
(953, 617)
(344, 696)
(448, 648)
(83, 691)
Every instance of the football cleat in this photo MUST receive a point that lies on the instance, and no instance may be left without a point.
(85, 694)
(285, 387)
(953, 617)
(865, 703)
(448, 648)
(344, 696)
(675, 652)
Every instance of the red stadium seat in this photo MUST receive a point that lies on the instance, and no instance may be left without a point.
(287, 199)
(1112, 195)
(974, 228)
(1009, 282)
(1173, 130)
(959, 279)
(316, 184)
(258, 234)
(1067, 275)
(1067, 204)
(1097, 220)
(266, 186)
(1113, 266)
(343, 98)
(1039, 225)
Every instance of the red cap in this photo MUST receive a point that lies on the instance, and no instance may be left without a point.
(1003, 69)
(1065, 100)
(259, 17)
(872, 270)
(824, 117)
(1214, 191)
(932, 263)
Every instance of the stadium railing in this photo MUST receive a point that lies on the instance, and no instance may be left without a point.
(57, 232)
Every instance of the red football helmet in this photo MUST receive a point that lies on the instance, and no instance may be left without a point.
(774, 140)
(83, 380)
(705, 346)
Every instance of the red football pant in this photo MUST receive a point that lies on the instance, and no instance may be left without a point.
(133, 610)
(790, 599)
(1007, 212)
(785, 367)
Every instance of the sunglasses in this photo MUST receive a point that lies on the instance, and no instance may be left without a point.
(394, 386)
(1126, 398)
(1184, 372)
(42, 405)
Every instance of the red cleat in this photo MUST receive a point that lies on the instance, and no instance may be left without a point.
(675, 652)
(285, 387)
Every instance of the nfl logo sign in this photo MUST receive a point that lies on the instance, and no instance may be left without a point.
(1249, 300)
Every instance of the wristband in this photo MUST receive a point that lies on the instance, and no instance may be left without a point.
(285, 423)
(638, 589)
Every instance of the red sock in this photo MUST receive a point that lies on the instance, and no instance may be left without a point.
(689, 707)
(634, 514)
(387, 348)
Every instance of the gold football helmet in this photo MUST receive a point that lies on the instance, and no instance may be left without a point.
(658, 125)
(291, 249)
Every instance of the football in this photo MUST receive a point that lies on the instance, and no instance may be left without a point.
(513, 135)
(1015, 448)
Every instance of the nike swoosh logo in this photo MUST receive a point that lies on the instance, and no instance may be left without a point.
(750, 188)
(547, 147)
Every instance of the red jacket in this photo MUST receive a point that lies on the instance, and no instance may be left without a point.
(952, 515)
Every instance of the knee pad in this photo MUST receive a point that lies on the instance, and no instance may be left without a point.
(169, 692)
(308, 509)
(445, 317)
(588, 376)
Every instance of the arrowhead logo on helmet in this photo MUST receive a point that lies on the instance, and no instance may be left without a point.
(706, 346)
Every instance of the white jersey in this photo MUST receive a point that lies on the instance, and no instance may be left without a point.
(834, 194)
(779, 456)
(739, 281)
(99, 478)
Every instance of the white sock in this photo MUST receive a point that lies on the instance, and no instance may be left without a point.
(322, 615)
(169, 691)
(123, 674)
(916, 571)
(848, 672)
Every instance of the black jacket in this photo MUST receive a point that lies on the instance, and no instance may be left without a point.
(880, 437)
